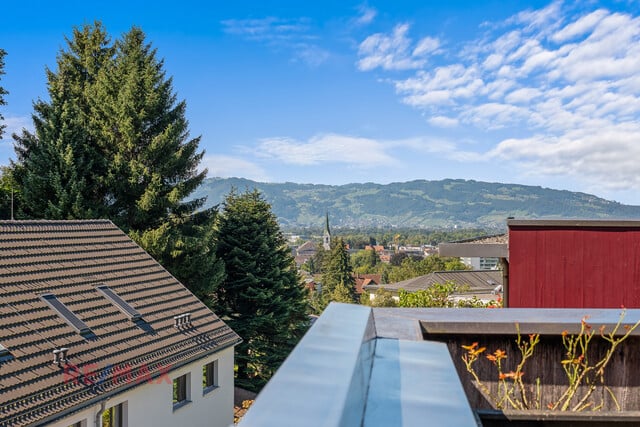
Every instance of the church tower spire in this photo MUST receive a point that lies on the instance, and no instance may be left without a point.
(326, 236)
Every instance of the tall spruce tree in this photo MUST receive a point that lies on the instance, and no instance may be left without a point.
(113, 142)
(262, 297)
(338, 283)
(60, 167)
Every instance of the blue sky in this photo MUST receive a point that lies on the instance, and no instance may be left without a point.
(538, 92)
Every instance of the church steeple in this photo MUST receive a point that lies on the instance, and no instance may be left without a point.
(326, 236)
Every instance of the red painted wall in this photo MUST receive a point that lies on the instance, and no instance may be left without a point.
(574, 267)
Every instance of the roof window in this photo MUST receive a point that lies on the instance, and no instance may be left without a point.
(124, 306)
(68, 315)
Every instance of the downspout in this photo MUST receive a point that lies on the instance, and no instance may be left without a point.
(98, 420)
(504, 263)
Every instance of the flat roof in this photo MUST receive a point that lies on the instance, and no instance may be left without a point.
(483, 250)
(359, 366)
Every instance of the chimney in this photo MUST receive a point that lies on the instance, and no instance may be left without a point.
(60, 355)
(182, 320)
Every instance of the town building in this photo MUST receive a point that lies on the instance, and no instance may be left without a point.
(95, 332)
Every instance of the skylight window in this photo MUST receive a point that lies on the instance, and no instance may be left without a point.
(3, 350)
(68, 315)
(124, 306)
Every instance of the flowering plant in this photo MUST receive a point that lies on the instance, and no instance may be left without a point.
(584, 376)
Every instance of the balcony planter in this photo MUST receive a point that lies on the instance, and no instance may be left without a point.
(620, 376)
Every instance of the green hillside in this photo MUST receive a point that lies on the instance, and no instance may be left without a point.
(418, 204)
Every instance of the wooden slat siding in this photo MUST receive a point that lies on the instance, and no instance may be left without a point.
(70, 259)
(573, 267)
(621, 375)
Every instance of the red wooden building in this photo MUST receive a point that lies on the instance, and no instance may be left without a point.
(573, 263)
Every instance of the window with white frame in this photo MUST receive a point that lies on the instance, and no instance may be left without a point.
(181, 386)
(210, 376)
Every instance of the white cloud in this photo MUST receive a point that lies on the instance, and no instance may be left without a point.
(566, 84)
(395, 51)
(443, 122)
(522, 95)
(367, 15)
(426, 46)
(312, 55)
(15, 124)
(580, 27)
(605, 155)
(292, 35)
(267, 29)
(328, 148)
(227, 166)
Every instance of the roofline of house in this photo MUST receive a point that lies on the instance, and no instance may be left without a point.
(128, 386)
(483, 250)
(583, 223)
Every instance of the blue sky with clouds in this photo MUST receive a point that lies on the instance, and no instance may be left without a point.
(538, 92)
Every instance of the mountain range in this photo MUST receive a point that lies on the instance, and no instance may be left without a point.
(447, 203)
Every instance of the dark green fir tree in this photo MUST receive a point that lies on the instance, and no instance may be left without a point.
(113, 142)
(262, 297)
(338, 283)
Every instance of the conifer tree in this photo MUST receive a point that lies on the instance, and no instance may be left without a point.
(113, 142)
(262, 297)
(338, 274)
(60, 167)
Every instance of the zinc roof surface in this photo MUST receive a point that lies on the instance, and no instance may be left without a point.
(69, 259)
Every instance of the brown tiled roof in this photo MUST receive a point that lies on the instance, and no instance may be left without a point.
(366, 279)
(307, 248)
(69, 259)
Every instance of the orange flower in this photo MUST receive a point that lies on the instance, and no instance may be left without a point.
(500, 354)
(470, 347)
(513, 375)
(565, 333)
(492, 357)
(502, 376)
(477, 351)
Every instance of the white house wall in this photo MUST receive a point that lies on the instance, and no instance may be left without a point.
(151, 404)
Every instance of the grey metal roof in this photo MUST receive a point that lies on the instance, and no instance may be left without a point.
(477, 280)
(379, 371)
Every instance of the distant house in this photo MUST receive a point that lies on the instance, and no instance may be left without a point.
(363, 280)
(94, 332)
(483, 284)
(305, 252)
